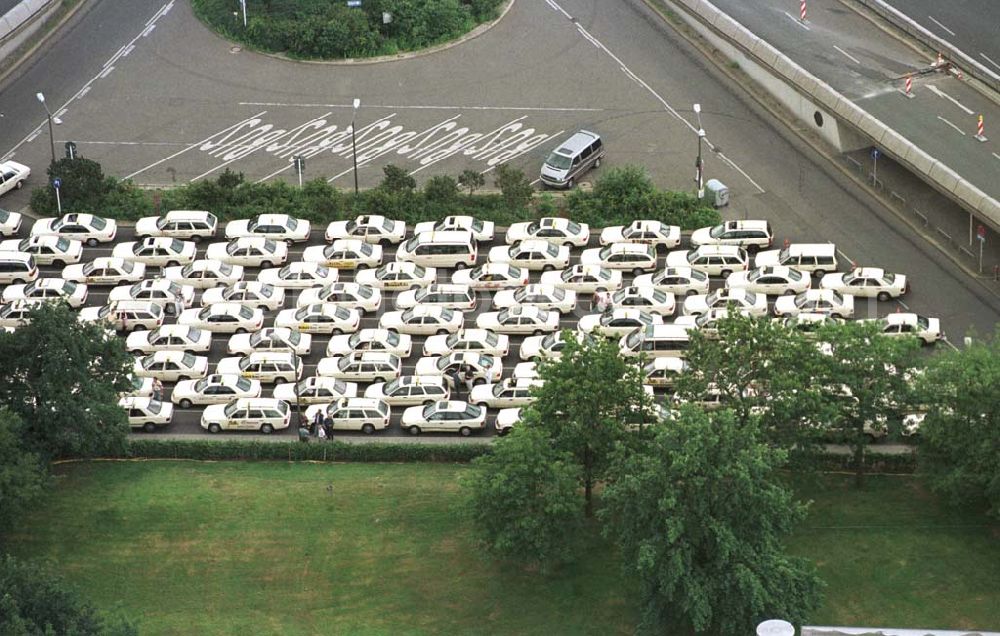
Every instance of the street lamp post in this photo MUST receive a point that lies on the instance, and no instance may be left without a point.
(699, 163)
(354, 145)
(48, 114)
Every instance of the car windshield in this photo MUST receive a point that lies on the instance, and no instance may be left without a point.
(225, 269)
(573, 228)
(476, 225)
(233, 247)
(270, 246)
(498, 389)
(341, 314)
(923, 322)
(443, 362)
(485, 362)
(62, 244)
(98, 223)
(392, 337)
(245, 312)
(242, 384)
(692, 256)
(200, 385)
(428, 410)
(365, 292)
(193, 334)
(176, 246)
(412, 243)
(126, 266)
(889, 279)
(634, 339)
(291, 223)
(704, 319)
(188, 360)
(794, 274)
(155, 406)
(472, 411)
(302, 313)
(391, 386)
(231, 408)
(558, 161)
(717, 231)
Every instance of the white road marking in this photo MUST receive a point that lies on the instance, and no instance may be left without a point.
(670, 109)
(905, 306)
(996, 155)
(941, 25)
(559, 9)
(133, 143)
(351, 106)
(193, 146)
(129, 49)
(509, 159)
(987, 58)
(960, 131)
(797, 21)
(106, 72)
(948, 342)
(940, 93)
(848, 55)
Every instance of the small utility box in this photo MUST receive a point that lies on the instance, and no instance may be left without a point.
(718, 193)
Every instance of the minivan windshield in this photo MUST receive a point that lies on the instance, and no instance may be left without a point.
(558, 161)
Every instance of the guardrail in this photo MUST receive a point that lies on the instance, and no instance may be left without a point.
(20, 22)
(777, 64)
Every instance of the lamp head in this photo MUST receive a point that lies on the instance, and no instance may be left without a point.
(357, 103)
(56, 121)
(701, 132)
(40, 97)
(697, 108)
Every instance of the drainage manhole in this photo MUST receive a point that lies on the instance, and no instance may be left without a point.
(236, 49)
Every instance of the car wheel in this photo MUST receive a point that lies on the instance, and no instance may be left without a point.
(883, 296)
(91, 242)
(240, 330)
(361, 267)
(367, 429)
(537, 332)
(478, 381)
(789, 292)
(172, 263)
(138, 328)
(428, 402)
(819, 273)
(214, 428)
(637, 271)
(570, 184)
(336, 332)
(548, 268)
(442, 332)
(149, 427)
(137, 352)
(185, 403)
(413, 430)
(597, 162)
(19, 185)
(460, 265)
(58, 263)
(465, 431)
(266, 428)
(414, 287)
(196, 238)
(600, 290)
(725, 273)
(123, 282)
(266, 265)
(482, 405)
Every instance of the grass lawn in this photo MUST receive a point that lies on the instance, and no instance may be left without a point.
(271, 548)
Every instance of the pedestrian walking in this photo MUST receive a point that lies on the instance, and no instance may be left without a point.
(454, 381)
(317, 419)
(602, 301)
(157, 389)
(470, 378)
(328, 427)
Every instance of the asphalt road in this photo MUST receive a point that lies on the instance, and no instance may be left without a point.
(186, 421)
(971, 25)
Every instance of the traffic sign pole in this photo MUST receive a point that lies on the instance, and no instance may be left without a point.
(981, 235)
(57, 183)
(874, 167)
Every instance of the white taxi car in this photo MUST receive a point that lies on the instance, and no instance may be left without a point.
(714, 260)
(249, 293)
(12, 176)
(214, 389)
(183, 224)
(204, 273)
(278, 227)
(105, 270)
(247, 414)
(681, 281)
(355, 295)
(663, 372)
(634, 257)
(13, 315)
(749, 234)
(387, 340)
(407, 390)
(10, 222)
(777, 280)
(125, 315)
(147, 413)
(223, 318)
(816, 301)
(617, 322)
(172, 297)
(299, 275)
(171, 366)
(808, 324)
(354, 414)
(46, 289)
(361, 366)
(543, 296)
(265, 366)
(87, 228)
(750, 302)
(506, 420)
(157, 251)
(345, 254)
(57, 251)
(707, 323)
(532, 255)
(249, 251)
(519, 319)
(447, 295)
(867, 282)
(478, 340)
(909, 324)
(648, 299)
(484, 368)
(446, 416)
(370, 228)
(271, 339)
(423, 320)
(320, 318)
(491, 276)
(507, 393)
(550, 229)
(397, 275)
(584, 279)
(549, 346)
(481, 230)
(652, 233)
(315, 390)
(169, 338)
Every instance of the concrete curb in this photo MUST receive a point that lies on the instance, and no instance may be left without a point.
(474, 33)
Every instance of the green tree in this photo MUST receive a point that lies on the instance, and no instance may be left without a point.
(960, 451)
(83, 188)
(471, 179)
(866, 376)
(513, 185)
(63, 377)
(23, 476)
(523, 499)
(700, 518)
(588, 397)
(397, 180)
(441, 189)
(621, 191)
(34, 601)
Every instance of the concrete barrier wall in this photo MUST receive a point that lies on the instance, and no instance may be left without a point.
(21, 13)
(842, 123)
(886, 631)
(23, 20)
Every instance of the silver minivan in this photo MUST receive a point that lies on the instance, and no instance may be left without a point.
(573, 158)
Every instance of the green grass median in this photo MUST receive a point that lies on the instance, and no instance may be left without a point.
(300, 548)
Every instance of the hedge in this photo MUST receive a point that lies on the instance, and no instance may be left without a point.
(294, 450)
(875, 462)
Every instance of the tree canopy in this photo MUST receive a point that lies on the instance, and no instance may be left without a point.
(23, 476)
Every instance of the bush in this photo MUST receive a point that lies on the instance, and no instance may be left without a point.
(85, 189)
(513, 185)
(441, 189)
(293, 450)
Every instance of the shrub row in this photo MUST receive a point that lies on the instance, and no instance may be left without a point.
(293, 450)
(875, 462)
(321, 29)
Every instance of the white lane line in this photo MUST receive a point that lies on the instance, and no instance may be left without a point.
(509, 159)
(848, 55)
(941, 25)
(940, 93)
(106, 72)
(959, 130)
(559, 9)
(670, 109)
(797, 21)
(394, 147)
(905, 306)
(195, 145)
(996, 155)
(948, 342)
(134, 143)
(987, 58)
(525, 108)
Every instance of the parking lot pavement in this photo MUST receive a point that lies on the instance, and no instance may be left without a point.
(186, 421)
